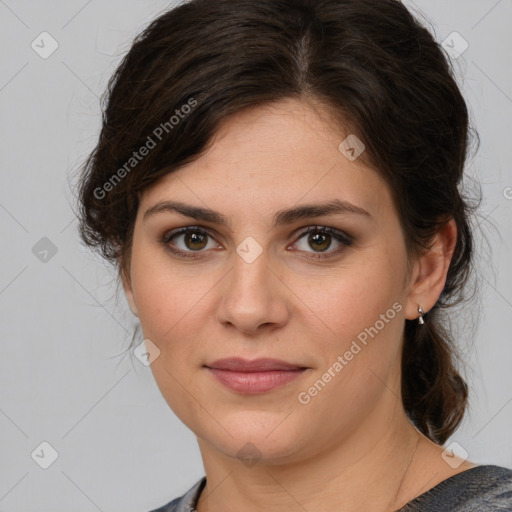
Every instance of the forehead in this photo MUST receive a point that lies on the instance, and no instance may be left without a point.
(269, 157)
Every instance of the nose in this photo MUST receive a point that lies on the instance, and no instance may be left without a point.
(254, 297)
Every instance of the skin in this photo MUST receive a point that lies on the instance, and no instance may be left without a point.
(351, 448)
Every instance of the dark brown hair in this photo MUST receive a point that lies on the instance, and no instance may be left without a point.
(368, 61)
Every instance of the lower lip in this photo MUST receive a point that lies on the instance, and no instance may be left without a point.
(255, 382)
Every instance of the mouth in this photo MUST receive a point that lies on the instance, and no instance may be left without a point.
(253, 377)
(237, 364)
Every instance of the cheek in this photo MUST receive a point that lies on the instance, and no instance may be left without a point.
(172, 316)
(354, 297)
(361, 308)
(165, 293)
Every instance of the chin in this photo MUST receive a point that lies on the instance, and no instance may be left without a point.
(252, 439)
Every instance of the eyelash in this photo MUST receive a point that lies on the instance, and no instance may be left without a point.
(345, 239)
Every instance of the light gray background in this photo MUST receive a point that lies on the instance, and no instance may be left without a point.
(64, 377)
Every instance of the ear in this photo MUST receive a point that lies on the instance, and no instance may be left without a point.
(430, 269)
(128, 291)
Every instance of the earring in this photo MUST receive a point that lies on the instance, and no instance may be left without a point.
(420, 319)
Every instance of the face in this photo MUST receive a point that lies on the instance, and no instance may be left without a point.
(259, 285)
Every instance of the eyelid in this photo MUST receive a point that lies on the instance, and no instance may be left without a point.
(325, 229)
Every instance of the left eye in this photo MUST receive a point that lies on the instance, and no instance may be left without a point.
(321, 238)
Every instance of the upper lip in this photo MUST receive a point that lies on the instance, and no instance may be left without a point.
(256, 365)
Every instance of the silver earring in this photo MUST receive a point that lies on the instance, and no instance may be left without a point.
(420, 319)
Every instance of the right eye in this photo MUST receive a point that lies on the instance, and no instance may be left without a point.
(194, 240)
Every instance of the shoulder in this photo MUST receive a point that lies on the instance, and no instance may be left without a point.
(485, 488)
(185, 503)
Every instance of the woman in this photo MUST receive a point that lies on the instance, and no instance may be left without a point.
(278, 183)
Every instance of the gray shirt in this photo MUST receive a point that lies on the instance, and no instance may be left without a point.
(480, 489)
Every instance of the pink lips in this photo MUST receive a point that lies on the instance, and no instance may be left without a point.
(256, 376)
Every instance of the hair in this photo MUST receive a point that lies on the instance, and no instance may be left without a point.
(371, 63)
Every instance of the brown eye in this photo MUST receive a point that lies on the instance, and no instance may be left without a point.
(195, 241)
(320, 239)
(186, 241)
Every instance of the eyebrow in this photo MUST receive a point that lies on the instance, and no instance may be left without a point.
(282, 217)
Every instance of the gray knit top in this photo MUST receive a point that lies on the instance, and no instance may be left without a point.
(485, 488)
